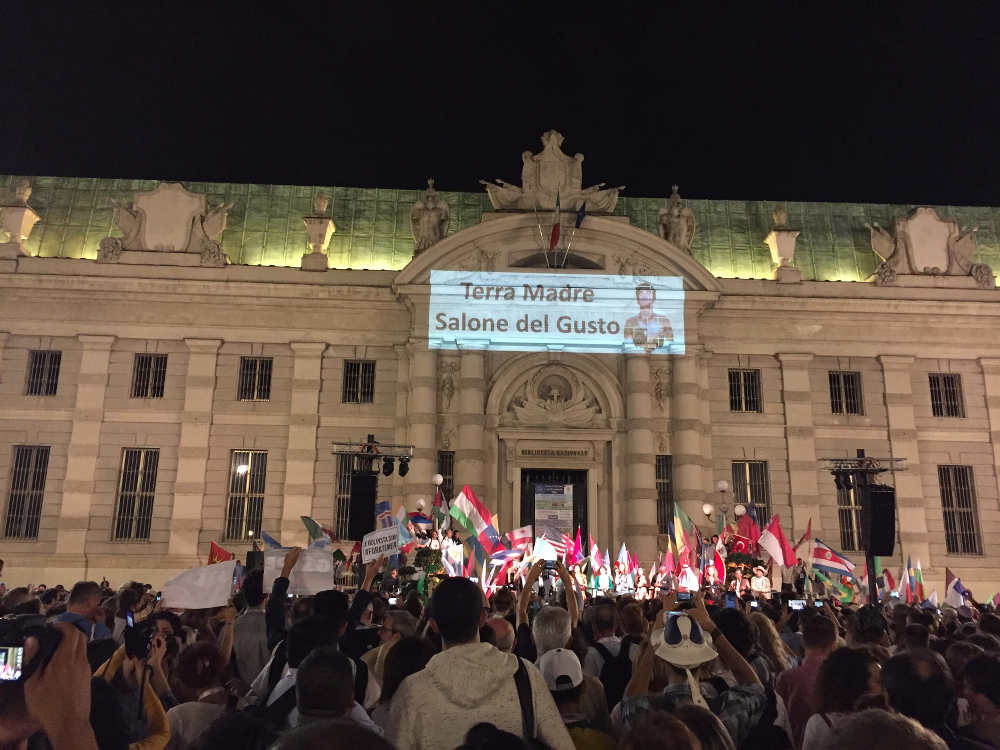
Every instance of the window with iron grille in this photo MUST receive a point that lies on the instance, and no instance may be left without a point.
(136, 488)
(744, 391)
(43, 373)
(27, 487)
(664, 493)
(752, 488)
(255, 379)
(342, 496)
(849, 513)
(845, 393)
(359, 381)
(149, 372)
(245, 506)
(961, 515)
(446, 468)
(946, 395)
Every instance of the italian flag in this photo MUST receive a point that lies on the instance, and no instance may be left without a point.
(475, 517)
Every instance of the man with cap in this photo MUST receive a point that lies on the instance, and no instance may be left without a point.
(760, 584)
(687, 641)
(563, 676)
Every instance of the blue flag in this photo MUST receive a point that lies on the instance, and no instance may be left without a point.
(581, 214)
(270, 541)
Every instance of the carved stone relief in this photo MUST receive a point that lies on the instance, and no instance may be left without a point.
(548, 174)
(924, 244)
(448, 433)
(636, 265)
(446, 386)
(554, 397)
(661, 376)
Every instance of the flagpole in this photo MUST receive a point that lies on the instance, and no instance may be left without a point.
(541, 237)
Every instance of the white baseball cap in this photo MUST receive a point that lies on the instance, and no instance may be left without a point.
(561, 669)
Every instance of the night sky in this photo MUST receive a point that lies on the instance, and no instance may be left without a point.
(857, 103)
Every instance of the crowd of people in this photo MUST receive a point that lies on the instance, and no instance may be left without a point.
(441, 665)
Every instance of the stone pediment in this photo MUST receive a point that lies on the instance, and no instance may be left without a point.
(925, 245)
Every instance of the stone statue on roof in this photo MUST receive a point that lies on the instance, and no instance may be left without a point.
(428, 219)
(675, 222)
(548, 174)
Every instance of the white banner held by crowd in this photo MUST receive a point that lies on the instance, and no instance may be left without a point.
(200, 588)
(312, 573)
(383, 542)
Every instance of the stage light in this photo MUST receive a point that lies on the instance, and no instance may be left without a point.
(404, 466)
(387, 465)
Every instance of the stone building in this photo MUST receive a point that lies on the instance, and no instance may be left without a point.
(176, 363)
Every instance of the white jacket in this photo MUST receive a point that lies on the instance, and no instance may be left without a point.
(463, 686)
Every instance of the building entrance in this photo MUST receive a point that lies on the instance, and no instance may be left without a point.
(555, 502)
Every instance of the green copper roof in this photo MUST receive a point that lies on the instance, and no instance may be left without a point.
(373, 228)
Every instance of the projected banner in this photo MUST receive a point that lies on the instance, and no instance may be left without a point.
(556, 312)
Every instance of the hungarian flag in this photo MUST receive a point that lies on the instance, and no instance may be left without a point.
(919, 591)
(520, 538)
(475, 517)
(216, 554)
(829, 561)
(773, 540)
(554, 235)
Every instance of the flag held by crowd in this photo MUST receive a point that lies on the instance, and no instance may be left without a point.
(831, 562)
(475, 518)
(773, 540)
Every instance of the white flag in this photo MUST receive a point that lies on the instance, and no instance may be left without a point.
(200, 588)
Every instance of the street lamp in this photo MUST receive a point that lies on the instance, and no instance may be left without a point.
(722, 487)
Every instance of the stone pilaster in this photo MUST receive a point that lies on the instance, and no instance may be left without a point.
(686, 433)
(84, 445)
(640, 460)
(422, 422)
(991, 379)
(800, 441)
(470, 453)
(192, 453)
(910, 504)
(300, 455)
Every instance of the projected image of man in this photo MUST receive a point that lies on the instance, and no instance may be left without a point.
(648, 330)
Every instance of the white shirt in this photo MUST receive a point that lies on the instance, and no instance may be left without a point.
(593, 662)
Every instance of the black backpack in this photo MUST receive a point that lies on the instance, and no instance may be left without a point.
(617, 670)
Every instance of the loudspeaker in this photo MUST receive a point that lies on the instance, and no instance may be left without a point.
(878, 520)
(255, 560)
(361, 520)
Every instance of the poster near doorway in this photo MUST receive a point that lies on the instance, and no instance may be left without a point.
(554, 501)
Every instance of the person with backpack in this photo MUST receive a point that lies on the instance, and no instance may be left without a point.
(609, 658)
(683, 648)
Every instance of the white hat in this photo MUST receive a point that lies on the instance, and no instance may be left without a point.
(561, 669)
(683, 643)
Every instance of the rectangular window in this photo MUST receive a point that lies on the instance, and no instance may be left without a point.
(946, 395)
(245, 506)
(136, 488)
(752, 488)
(961, 516)
(255, 379)
(845, 393)
(359, 381)
(342, 497)
(664, 493)
(43, 373)
(149, 372)
(27, 486)
(849, 513)
(744, 391)
(446, 468)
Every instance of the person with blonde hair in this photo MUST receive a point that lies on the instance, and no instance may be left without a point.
(774, 649)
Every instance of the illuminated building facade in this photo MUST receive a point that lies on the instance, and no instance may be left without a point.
(187, 385)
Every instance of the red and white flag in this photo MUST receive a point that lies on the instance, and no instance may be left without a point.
(520, 538)
(774, 541)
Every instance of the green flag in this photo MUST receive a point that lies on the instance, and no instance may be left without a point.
(315, 532)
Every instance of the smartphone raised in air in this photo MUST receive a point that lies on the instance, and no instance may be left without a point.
(683, 596)
(797, 604)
